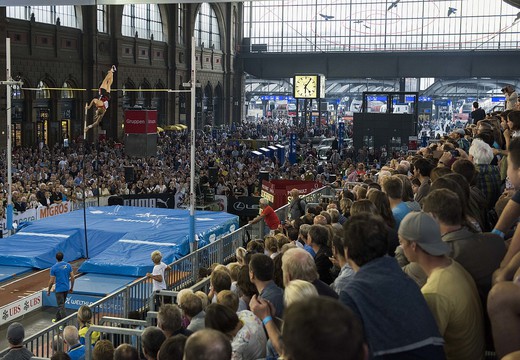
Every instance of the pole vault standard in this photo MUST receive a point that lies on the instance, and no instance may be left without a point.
(9, 82)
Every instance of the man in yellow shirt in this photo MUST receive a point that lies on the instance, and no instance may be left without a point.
(450, 292)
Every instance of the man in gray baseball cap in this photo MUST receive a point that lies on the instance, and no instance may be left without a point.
(460, 322)
(15, 336)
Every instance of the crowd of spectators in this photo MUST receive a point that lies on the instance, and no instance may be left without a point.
(409, 260)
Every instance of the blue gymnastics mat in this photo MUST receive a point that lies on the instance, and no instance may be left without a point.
(100, 284)
(119, 239)
(8, 272)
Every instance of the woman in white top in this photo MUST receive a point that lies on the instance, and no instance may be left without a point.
(247, 335)
(157, 273)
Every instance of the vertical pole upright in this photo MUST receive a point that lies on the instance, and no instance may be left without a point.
(193, 242)
(9, 214)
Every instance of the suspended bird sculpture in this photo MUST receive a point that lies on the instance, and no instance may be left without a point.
(451, 11)
(393, 5)
(368, 27)
(517, 18)
(358, 21)
(327, 17)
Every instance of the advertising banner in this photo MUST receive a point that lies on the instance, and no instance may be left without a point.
(140, 121)
(292, 148)
(244, 206)
(341, 135)
(21, 307)
(277, 191)
(73, 301)
(164, 201)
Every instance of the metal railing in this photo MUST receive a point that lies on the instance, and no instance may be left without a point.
(135, 296)
(127, 336)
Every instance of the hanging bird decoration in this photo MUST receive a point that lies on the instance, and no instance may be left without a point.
(393, 5)
(451, 11)
(327, 17)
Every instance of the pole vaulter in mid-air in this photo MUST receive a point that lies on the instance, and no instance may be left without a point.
(101, 102)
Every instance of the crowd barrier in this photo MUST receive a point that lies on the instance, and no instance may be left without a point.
(135, 297)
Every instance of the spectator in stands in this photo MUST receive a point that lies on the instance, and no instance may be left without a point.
(272, 222)
(318, 239)
(169, 320)
(407, 330)
(248, 339)
(207, 344)
(488, 175)
(299, 264)
(103, 350)
(338, 259)
(229, 299)
(298, 290)
(84, 322)
(511, 97)
(296, 206)
(246, 288)
(271, 247)
(240, 254)
(504, 297)
(460, 322)
(477, 205)
(393, 188)
(261, 271)
(477, 114)
(76, 349)
(191, 306)
(421, 170)
(15, 336)
(59, 355)
(318, 329)
(219, 280)
(151, 340)
(126, 352)
(479, 253)
(172, 348)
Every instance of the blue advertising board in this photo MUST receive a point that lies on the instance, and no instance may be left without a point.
(292, 148)
(341, 135)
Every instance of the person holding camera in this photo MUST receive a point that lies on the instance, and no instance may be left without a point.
(511, 97)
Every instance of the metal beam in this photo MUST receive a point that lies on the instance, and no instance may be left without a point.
(455, 64)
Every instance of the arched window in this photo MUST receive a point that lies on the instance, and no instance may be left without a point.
(129, 97)
(159, 103)
(145, 19)
(65, 92)
(45, 14)
(102, 19)
(206, 27)
(16, 92)
(181, 9)
(43, 92)
(144, 96)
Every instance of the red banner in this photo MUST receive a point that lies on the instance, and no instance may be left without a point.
(140, 121)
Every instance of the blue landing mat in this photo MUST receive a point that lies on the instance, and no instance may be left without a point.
(99, 284)
(8, 272)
